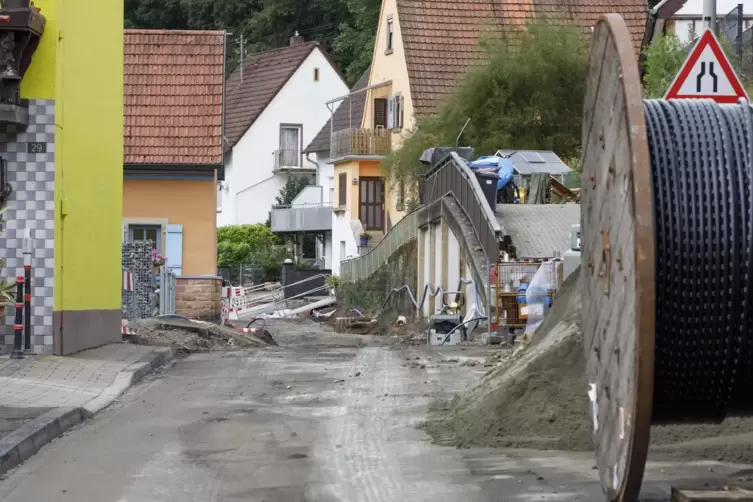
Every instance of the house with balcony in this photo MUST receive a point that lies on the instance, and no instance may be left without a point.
(421, 51)
(273, 109)
(332, 141)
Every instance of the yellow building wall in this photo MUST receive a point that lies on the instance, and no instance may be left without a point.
(89, 152)
(183, 202)
(350, 169)
(79, 65)
(392, 68)
(356, 169)
(39, 81)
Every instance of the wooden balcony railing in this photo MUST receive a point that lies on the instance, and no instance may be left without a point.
(347, 142)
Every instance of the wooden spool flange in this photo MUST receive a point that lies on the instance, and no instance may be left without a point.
(617, 222)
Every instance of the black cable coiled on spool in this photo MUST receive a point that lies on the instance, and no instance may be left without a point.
(701, 160)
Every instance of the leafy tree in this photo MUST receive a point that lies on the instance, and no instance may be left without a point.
(528, 95)
(664, 57)
(236, 244)
(291, 189)
(153, 14)
(354, 45)
(345, 28)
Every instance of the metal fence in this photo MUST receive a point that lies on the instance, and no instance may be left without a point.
(731, 27)
(167, 285)
(249, 274)
(361, 267)
(451, 176)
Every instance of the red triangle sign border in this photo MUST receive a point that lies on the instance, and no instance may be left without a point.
(708, 39)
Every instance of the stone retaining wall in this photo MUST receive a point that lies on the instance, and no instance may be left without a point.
(199, 297)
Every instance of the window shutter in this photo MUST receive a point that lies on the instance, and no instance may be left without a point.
(380, 112)
(399, 111)
(391, 113)
(342, 187)
(174, 248)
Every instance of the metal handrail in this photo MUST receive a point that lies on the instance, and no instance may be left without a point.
(362, 267)
(451, 176)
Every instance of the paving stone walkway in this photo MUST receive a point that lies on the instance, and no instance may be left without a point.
(32, 386)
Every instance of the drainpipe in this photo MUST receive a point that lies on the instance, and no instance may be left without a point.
(224, 74)
(316, 164)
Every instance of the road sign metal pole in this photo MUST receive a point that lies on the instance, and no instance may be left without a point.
(709, 15)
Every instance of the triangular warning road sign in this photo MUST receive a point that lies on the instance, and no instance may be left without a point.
(707, 74)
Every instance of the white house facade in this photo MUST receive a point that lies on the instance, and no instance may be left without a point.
(274, 108)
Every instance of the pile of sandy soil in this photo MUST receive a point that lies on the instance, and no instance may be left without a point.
(538, 399)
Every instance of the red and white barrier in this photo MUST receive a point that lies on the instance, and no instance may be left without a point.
(128, 284)
(238, 300)
(124, 329)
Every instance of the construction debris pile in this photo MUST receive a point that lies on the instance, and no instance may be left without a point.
(537, 399)
(193, 336)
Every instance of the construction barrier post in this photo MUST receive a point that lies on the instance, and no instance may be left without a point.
(18, 327)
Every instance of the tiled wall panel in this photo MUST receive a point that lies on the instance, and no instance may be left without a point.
(32, 205)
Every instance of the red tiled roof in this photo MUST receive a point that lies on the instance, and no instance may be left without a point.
(264, 74)
(173, 97)
(441, 37)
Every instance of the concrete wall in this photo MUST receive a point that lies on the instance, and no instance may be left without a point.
(249, 170)
(199, 297)
(182, 202)
(401, 268)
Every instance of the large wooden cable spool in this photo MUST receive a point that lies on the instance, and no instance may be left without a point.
(667, 260)
(617, 239)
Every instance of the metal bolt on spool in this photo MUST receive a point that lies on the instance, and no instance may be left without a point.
(667, 260)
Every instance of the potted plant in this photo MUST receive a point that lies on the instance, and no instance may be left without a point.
(7, 289)
(365, 239)
(158, 260)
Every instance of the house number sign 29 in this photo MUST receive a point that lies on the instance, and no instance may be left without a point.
(36, 147)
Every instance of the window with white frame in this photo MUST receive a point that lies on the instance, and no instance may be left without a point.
(152, 233)
(289, 154)
(390, 34)
(395, 112)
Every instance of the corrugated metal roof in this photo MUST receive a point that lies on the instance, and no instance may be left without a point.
(530, 161)
(538, 230)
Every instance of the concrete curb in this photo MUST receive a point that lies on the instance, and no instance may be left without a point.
(28, 439)
(126, 379)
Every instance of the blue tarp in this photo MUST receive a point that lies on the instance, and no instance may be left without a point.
(501, 166)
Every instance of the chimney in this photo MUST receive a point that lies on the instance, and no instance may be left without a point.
(296, 39)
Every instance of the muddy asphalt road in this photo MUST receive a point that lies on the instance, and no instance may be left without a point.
(323, 417)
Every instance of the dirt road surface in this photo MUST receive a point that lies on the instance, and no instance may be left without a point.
(322, 417)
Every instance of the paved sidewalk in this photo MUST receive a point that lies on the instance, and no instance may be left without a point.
(55, 381)
(42, 396)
